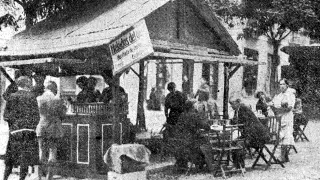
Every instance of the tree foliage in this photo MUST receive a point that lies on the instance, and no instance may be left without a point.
(37, 10)
(275, 19)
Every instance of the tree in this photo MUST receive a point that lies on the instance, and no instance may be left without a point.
(275, 19)
(37, 10)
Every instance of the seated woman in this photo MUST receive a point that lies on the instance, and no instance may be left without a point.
(188, 129)
(262, 103)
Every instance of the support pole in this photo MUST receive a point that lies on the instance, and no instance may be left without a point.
(115, 106)
(226, 91)
(141, 120)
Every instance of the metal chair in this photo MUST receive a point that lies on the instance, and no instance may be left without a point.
(274, 126)
(225, 142)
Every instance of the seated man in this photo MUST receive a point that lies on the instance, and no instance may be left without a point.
(188, 128)
(254, 132)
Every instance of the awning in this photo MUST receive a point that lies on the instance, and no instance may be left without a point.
(95, 26)
(39, 61)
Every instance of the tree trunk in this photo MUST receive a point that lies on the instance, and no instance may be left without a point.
(274, 68)
(28, 22)
(141, 121)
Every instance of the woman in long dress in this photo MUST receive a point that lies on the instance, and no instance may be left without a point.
(283, 104)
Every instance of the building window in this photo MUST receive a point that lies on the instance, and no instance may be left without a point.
(250, 73)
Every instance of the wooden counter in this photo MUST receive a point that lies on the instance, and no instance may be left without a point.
(88, 134)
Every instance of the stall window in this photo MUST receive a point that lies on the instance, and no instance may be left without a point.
(250, 73)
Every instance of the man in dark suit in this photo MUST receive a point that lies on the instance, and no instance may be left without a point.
(22, 114)
(254, 132)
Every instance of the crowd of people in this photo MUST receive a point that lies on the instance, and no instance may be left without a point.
(34, 114)
(188, 118)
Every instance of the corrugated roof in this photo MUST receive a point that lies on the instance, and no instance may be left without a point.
(92, 27)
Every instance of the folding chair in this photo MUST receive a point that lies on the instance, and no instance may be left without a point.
(300, 124)
(228, 140)
(274, 126)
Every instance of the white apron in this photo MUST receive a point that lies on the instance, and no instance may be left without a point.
(286, 135)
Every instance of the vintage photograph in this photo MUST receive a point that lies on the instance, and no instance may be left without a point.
(159, 89)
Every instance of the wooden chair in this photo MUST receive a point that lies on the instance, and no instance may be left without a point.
(274, 126)
(300, 124)
(224, 142)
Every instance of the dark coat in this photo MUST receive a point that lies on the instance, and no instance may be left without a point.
(188, 130)
(21, 112)
(88, 96)
(189, 127)
(263, 107)
(174, 102)
(107, 95)
(254, 132)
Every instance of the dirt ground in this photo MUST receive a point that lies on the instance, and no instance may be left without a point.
(302, 166)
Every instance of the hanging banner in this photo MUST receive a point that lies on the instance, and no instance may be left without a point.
(130, 47)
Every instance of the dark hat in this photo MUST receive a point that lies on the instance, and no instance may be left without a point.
(83, 80)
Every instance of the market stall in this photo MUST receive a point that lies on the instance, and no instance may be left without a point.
(113, 38)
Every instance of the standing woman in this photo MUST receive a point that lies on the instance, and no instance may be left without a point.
(282, 105)
(173, 107)
(22, 114)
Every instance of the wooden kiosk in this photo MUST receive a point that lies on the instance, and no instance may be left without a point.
(112, 36)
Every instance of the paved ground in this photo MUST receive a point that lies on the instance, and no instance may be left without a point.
(303, 166)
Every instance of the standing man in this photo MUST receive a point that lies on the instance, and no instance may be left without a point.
(49, 129)
(173, 107)
(22, 114)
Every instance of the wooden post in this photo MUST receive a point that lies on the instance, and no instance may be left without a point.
(141, 120)
(115, 110)
(226, 91)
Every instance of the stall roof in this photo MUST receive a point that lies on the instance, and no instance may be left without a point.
(95, 26)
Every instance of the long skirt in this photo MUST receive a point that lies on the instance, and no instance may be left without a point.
(22, 149)
(286, 134)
